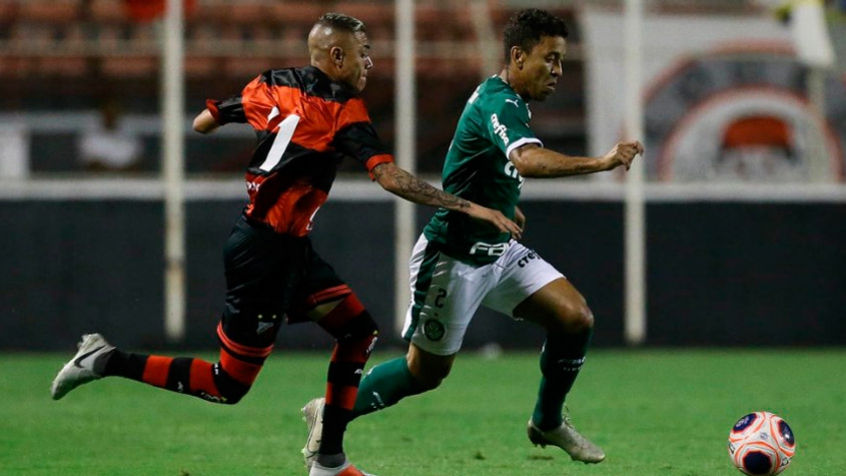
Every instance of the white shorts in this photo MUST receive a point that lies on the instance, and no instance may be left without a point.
(445, 292)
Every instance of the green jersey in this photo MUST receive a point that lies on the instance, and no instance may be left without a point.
(495, 121)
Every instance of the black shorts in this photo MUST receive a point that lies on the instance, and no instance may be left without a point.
(272, 279)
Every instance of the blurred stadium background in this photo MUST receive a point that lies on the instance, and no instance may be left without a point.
(743, 113)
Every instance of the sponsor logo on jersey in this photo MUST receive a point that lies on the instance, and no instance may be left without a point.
(499, 129)
(513, 101)
(512, 172)
(488, 249)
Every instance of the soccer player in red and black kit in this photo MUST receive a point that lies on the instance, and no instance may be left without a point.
(307, 119)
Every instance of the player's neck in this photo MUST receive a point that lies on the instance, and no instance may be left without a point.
(513, 80)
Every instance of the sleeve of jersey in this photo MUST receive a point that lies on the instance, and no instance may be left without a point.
(507, 124)
(252, 106)
(358, 139)
(226, 111)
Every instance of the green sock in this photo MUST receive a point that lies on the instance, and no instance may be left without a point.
(385, 385)
(561, 359)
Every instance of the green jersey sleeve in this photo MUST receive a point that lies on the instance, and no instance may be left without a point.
(506, 119)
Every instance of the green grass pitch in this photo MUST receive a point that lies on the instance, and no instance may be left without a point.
(655, 412)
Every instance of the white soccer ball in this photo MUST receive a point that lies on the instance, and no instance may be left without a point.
(761, 444)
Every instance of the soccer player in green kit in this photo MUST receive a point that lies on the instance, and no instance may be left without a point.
(459, 264)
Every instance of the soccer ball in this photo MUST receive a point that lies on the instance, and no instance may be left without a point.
(761, 443)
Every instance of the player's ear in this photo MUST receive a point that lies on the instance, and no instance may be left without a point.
(336, 54)
(517, 56)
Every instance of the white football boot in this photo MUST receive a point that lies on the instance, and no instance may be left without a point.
(568, 439)
(85, 366)
(313, 416)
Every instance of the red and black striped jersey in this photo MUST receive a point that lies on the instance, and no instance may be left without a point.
(305, 124)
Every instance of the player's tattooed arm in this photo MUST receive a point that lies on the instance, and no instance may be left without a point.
(403, 184)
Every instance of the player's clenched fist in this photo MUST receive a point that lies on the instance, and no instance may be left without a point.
(623, 154)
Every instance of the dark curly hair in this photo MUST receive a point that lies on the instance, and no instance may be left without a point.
(526, 28)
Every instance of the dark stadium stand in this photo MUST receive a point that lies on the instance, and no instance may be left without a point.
(91, 48)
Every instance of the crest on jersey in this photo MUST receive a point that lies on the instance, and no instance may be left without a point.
(434, 330)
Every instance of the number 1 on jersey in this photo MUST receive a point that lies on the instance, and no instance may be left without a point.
(280, 143)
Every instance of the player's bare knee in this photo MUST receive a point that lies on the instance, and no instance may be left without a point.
(575, 318)
(582, 320)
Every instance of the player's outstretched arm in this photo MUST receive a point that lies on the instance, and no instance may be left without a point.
(533, 161)
(205, 123)
(403, 184)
